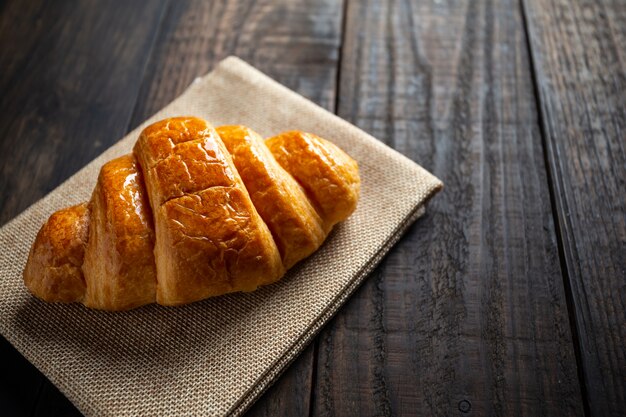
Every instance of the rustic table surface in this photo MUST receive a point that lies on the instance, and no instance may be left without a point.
(507, 298)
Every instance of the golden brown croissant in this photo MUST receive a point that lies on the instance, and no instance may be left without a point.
(194, 212)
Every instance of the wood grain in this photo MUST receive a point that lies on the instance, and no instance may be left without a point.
(579, 52)
(296, 42)
(70, 78)
(467, 314)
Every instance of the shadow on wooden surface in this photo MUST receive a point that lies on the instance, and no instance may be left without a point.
(516, 104)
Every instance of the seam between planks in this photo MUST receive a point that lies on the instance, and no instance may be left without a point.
(342, 41)
(316, 346)
(153, 42)
(554, 204)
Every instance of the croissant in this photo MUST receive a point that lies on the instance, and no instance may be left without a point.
(193, 212)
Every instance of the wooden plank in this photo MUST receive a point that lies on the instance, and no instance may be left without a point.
(467, 314)
(296, 43)
(579, 51)
(70, 77)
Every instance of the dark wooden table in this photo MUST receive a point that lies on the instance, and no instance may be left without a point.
(507, 299)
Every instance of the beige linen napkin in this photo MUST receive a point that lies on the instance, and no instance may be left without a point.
(217, 356)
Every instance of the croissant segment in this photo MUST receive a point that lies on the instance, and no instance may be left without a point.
(193, 212)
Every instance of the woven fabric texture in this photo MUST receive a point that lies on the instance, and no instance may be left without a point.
(214, 357)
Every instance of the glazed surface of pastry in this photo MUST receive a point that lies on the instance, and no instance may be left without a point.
(194, 212)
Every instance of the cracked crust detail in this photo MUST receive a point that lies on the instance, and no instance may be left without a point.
(194, 212)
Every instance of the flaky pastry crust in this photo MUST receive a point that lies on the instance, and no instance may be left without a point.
(194, 212)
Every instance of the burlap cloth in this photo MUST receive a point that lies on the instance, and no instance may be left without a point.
(217, 356)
